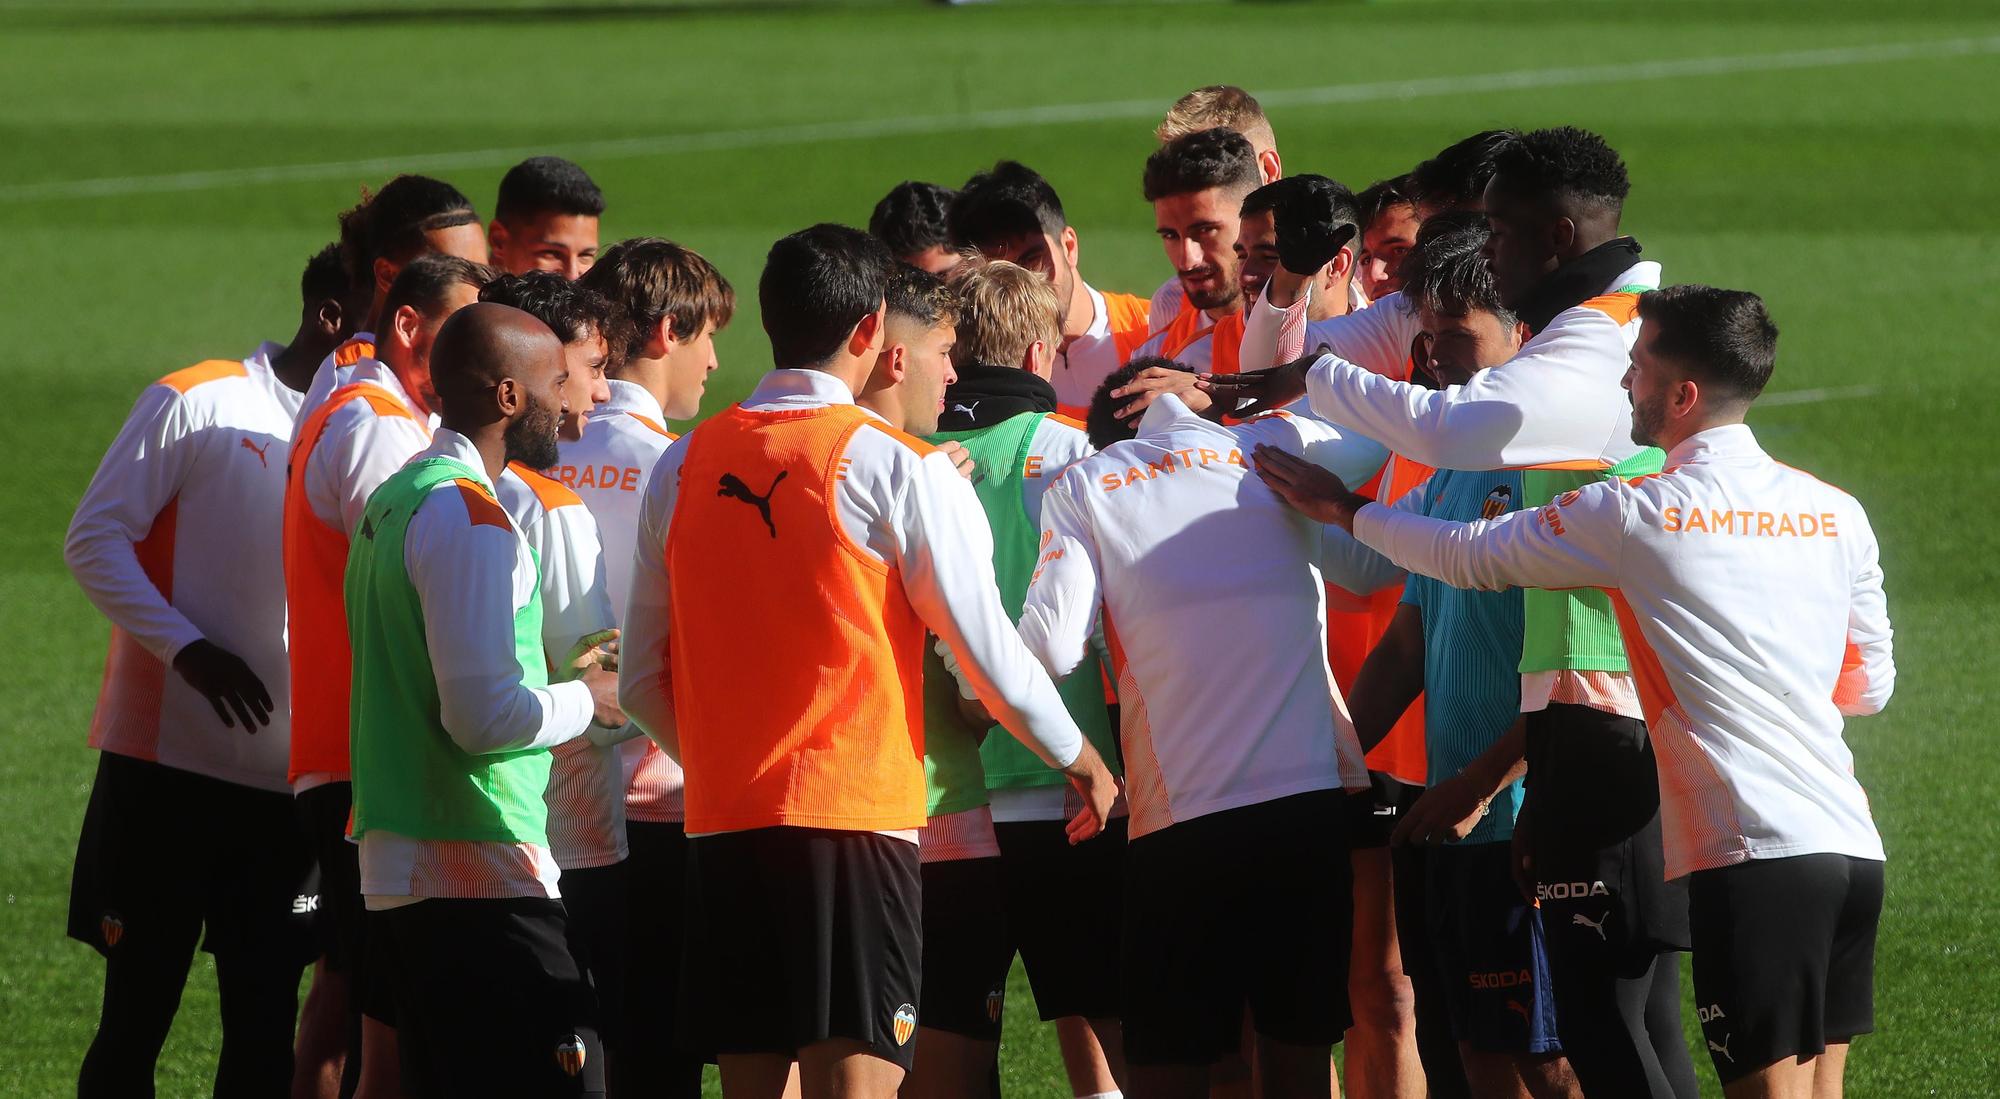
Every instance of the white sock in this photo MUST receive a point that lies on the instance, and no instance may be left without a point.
(1104, 1095)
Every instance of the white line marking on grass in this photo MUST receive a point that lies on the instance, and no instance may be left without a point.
(1816, 396)
(1055, 114)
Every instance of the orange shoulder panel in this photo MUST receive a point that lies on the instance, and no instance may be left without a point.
(1069, 421)
(1620, 307)
(654, 425)
(1124, 312)
(383, 402)
(480, 506)
(921, 447)
(353, 351)
(180, 381)
(551, 492)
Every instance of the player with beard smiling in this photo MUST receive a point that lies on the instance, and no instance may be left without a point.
(453, 718)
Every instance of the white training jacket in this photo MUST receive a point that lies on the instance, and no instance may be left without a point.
(1214, 607)
(472, 574)
(1377, 338)
(586, 794)
(337, 369)
(178, 539)
(906, 508)
(1754, 616)
(1558, 400)
(359, 449)
(622, 440)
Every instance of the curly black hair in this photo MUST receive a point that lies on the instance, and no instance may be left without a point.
(1567, 163)
(1455, 179)
(911, 217)
(571, 311)
(1200, 161)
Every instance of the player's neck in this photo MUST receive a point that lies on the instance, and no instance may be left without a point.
(648, 374)
(1082, 311)
(295, 365)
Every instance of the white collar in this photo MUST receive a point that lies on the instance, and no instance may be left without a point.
(630, 397)
(799, 387)
(1727, 441)
(1169, 413)
(446, 443)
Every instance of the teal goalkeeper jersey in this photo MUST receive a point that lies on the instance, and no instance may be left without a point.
(1472, 648)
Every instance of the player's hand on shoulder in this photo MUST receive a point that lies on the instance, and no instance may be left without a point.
(1309, 489)
(1099, 788)
(227, 682)
(1267, 389)
(603, 686)
(1147, 385)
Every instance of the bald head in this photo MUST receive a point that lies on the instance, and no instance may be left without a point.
(483, 345)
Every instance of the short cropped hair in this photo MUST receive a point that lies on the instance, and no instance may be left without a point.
(1101, 422)
(1725, 339)
(427, 281)
(1271, 195)
(1566, 164)
(547, 185)
(1007, 201)
(325, 276)
(648, 280)
(1380, 197)
(1199, 161)
(911, 217)
(1456, 177)
(817, 284)
(571, 311)
(1217, 106)
(1002, 309)
(1445, 272)
(406, 208)
(919, 296)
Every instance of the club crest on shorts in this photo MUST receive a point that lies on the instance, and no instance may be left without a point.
(905, 1023)
(570, 1055)
(111, 928)
(1497, 502)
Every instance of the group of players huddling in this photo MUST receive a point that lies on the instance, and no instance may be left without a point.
(1387, 633)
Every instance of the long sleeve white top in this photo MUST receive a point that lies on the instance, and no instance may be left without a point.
(1558, 400)
(1190, 556)
(472, 576)
(178, 539)
(586, 794)
(1751, 596)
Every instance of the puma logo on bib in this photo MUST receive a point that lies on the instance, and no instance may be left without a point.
(732, 487)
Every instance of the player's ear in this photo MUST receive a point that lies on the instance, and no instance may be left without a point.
(896, 362)
(496, 239)
(329, 318)
(1562, 234)
(507, 396)
(385, 273)
(1069, 248)
(869, 332)
(1269, 166)
(1040, 359)
(406, 323)
(660, 340)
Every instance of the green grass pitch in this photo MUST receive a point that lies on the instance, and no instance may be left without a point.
(1839, 158)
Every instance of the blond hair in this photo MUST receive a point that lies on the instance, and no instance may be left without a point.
(1002, 309)
(1218, 106)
